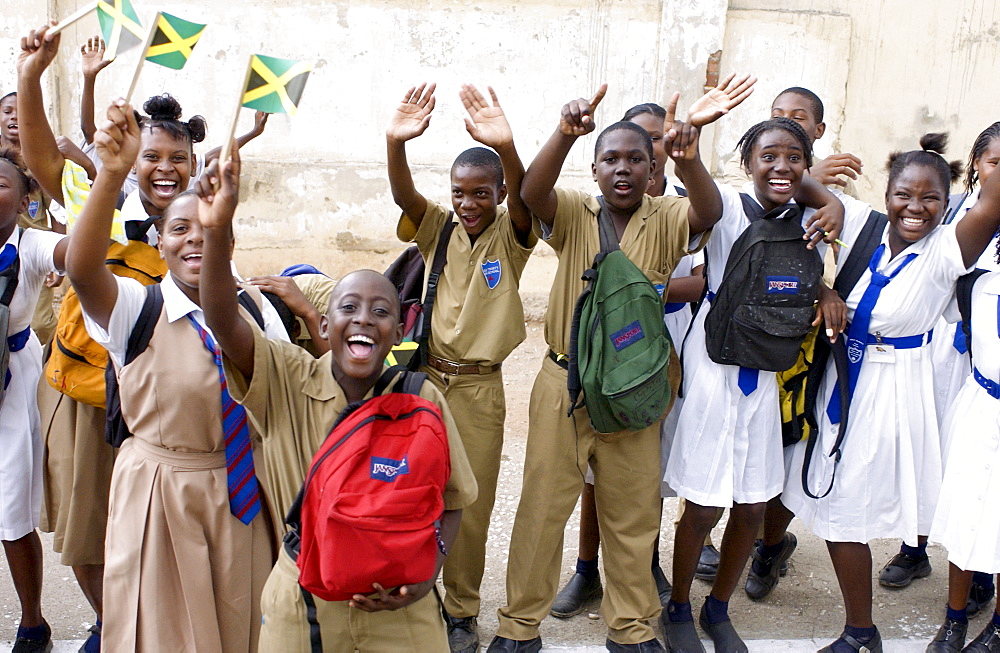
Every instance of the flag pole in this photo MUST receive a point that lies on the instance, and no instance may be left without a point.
(75, 16)
(142, 57)
(227, 144)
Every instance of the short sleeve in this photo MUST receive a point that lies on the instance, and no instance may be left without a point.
(947, 262)
(462, 489)
(425, 236)
(131, 295)
(571, 205)
(36, 251)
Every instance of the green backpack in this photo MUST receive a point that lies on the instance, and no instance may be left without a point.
(619, 345)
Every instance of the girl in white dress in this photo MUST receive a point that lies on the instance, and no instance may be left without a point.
(727, 448)
(887, 482)
(37, 253)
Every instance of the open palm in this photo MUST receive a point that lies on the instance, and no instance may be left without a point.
(729, 94)
(411, 117)
(486, 124)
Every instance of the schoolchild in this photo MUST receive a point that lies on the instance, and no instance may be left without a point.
(37, 253)
(806, 108)
(295, 398)
(727, 449)
(655, 233)
(477, 318)
(189, 539)
(896, 438)
(965, 521)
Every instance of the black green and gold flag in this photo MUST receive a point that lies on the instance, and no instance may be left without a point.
(120, 26)
(173, 41)
(275, 85)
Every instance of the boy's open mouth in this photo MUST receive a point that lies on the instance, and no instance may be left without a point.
(360, 346)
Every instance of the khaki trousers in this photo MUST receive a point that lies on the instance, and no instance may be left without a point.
(626, 469)
(418, 627)
(478, 406)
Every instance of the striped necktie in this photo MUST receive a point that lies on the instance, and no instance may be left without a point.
(244, 497)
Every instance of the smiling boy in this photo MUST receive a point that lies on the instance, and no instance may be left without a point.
(478, 318)
(294, 399)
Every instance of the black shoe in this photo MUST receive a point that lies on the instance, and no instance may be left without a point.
(663, 588)
(708, 563)
(504, 645)
(758, 586)
(680, 637)
(572, 599)
(463, 634)
(902, 569)
(649, 646)
(725, 637)
(979, 598)
(950, 637)
(24, 645)
(874, 645)
(987, 642)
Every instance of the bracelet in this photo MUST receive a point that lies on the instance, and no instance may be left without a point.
(437, 535)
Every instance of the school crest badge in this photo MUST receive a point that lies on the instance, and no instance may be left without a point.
(492, 272)
(854, 350)
(33, 208)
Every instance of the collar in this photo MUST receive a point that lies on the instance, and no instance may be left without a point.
(14, 238)
(133, 210)
(484, 237)
(885, 266)
(969, 202)
(751, 190)
(991, 283)
(176, 303)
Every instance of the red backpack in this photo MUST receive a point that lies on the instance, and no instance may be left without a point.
(370, 507)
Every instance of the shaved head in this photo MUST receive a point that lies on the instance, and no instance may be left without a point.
(370, 280)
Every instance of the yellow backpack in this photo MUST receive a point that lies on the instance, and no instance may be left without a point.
(76, 363)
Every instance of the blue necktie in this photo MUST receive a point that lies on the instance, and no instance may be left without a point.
(857, 333)
(747, 380)
(244, 499)
(959, 343)
(7, 256)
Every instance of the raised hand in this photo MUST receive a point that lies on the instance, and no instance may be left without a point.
(413, 114)
(38, 49)
(829, 170)
(219, 192)
(93, 60)
(681, 138)
(487, 124)
(118, 140)
(577, 118)
(729, 94)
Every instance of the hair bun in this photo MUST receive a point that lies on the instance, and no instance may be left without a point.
(198, 127)
(937, 143)
(162, 107)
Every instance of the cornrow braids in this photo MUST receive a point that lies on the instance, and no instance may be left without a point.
(645, 107)
(983, 142)
(750, 138)
(931, 155)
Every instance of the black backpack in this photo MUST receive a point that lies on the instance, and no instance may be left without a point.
(963, 292)
(116, 431)
(407, 274)
(854, 267)
(765, 304)
(8, 284)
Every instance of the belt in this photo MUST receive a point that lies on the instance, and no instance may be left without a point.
(17, 341)
(991, 387)
(562, 360)
(190, 460)
(673, 307)
(906, 342)
(451, 367)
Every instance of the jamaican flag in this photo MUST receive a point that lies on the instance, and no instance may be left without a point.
(173, 41)
(120, 26)
(275, 85)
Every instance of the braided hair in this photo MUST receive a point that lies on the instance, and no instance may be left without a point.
(983, 142)
(645, 107)
(750, 138)
(164, 112)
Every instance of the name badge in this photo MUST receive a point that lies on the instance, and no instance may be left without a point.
(880, 352)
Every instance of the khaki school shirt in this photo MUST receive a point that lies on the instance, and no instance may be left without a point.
(293, 401)
(656, 238)
(477, 316)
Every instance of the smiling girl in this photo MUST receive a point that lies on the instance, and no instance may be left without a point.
(888, 479)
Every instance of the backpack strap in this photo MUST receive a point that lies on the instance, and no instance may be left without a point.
(247, 302)
(751, 208)
(11, 274)
(315, 635)
(860, 254)
(423, 333)
(963, 292)
(821, 353)
(606, 231)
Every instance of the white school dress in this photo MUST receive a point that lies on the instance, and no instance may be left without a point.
(889, 477)
(20, 424)
(727, 447)
(951, 366)
(967, 521)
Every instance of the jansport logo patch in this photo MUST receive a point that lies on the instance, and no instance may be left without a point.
(631, 334)
(387, 469)
(783, 285)
(492, 271)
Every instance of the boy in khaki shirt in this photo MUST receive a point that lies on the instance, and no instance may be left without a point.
(654, 233)
(294, 399)
(477, 317)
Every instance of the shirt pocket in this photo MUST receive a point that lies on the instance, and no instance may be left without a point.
(494, 277)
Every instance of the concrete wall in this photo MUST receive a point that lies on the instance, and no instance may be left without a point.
(316, 188)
